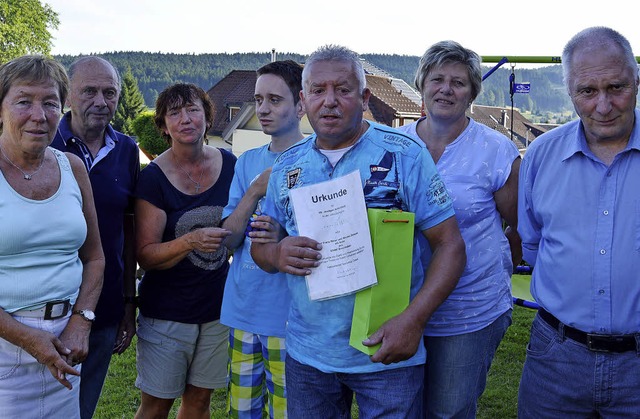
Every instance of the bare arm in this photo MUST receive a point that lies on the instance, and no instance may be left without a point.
(153, 253)
(401, 335)
(75, 336)
(507, 204)
(237, 221)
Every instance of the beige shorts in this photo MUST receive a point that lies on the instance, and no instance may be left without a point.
(171, 355)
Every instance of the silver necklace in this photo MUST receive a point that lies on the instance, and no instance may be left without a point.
(198, 186)
(25, 175)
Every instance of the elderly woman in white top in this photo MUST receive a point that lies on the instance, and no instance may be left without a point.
(479, 167)
(51, 260)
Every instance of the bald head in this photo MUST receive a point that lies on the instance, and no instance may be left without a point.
(93, 60)
(93, 96)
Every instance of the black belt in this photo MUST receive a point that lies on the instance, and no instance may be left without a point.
(595, 342)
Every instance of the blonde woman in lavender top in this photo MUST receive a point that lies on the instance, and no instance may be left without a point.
(479, 167)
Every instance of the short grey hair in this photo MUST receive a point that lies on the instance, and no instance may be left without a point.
(445, 52)
(336, 53)
(598, 36)
(33, 69)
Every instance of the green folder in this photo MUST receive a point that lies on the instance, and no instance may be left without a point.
(392, 241)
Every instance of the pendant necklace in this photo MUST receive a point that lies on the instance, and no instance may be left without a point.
(26, 176)
(198, 186)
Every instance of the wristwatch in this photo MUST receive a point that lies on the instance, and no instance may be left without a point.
(88, 315)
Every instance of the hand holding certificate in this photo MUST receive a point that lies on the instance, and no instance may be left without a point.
(334, 213)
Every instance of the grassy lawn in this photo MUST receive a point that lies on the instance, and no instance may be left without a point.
(501, 395)
(120, 398)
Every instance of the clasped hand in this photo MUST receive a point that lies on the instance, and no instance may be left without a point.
(50, 351)
(265, 230)
(207, 239)
(297, 255)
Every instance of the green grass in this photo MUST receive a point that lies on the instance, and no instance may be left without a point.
(120, 398)
(501, 394)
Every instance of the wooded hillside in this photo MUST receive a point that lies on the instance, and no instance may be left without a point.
(155, 71)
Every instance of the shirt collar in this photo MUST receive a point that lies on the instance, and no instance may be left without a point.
(634, 141)
(65, 131)
(578, 142)
(64, 128)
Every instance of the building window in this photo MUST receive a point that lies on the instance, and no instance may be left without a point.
(233, 111)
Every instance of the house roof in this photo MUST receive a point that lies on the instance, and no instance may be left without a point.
(400, 85)
(499, 118)
(390, 99)
(388, 102)
(234, 90)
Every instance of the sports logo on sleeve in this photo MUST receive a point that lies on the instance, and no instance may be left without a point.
(292, 177)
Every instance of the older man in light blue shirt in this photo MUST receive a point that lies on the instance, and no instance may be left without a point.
(579, 219)
(323, 371)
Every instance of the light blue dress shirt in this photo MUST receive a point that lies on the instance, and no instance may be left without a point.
(579, 220)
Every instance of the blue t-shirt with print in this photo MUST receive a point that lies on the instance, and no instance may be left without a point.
(254, 300)
(191, 290)
(396, 172)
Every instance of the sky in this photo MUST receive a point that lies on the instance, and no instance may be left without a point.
(407, 27)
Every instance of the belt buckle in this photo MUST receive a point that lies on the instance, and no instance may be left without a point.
(598, 343)
(56, 309)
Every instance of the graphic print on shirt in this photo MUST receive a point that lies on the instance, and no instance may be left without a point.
(381, 189)
(200, 217)
(437, 192)
(292, 177)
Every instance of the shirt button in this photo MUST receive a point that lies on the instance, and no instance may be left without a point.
(602, 251)
(600, 292)
(605, 212)
(602, 329)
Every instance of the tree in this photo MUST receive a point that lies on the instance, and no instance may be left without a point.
(24, 28)
(130, 105)
(149, 139)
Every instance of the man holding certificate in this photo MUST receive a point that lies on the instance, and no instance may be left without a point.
(392, 171)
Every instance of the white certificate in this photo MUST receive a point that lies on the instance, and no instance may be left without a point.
(334, 213)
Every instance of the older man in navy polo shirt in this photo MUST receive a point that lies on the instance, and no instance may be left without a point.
(112, 160)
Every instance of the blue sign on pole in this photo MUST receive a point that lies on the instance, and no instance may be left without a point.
(521, 87)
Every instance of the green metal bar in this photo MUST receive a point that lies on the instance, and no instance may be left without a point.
(523, 59)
